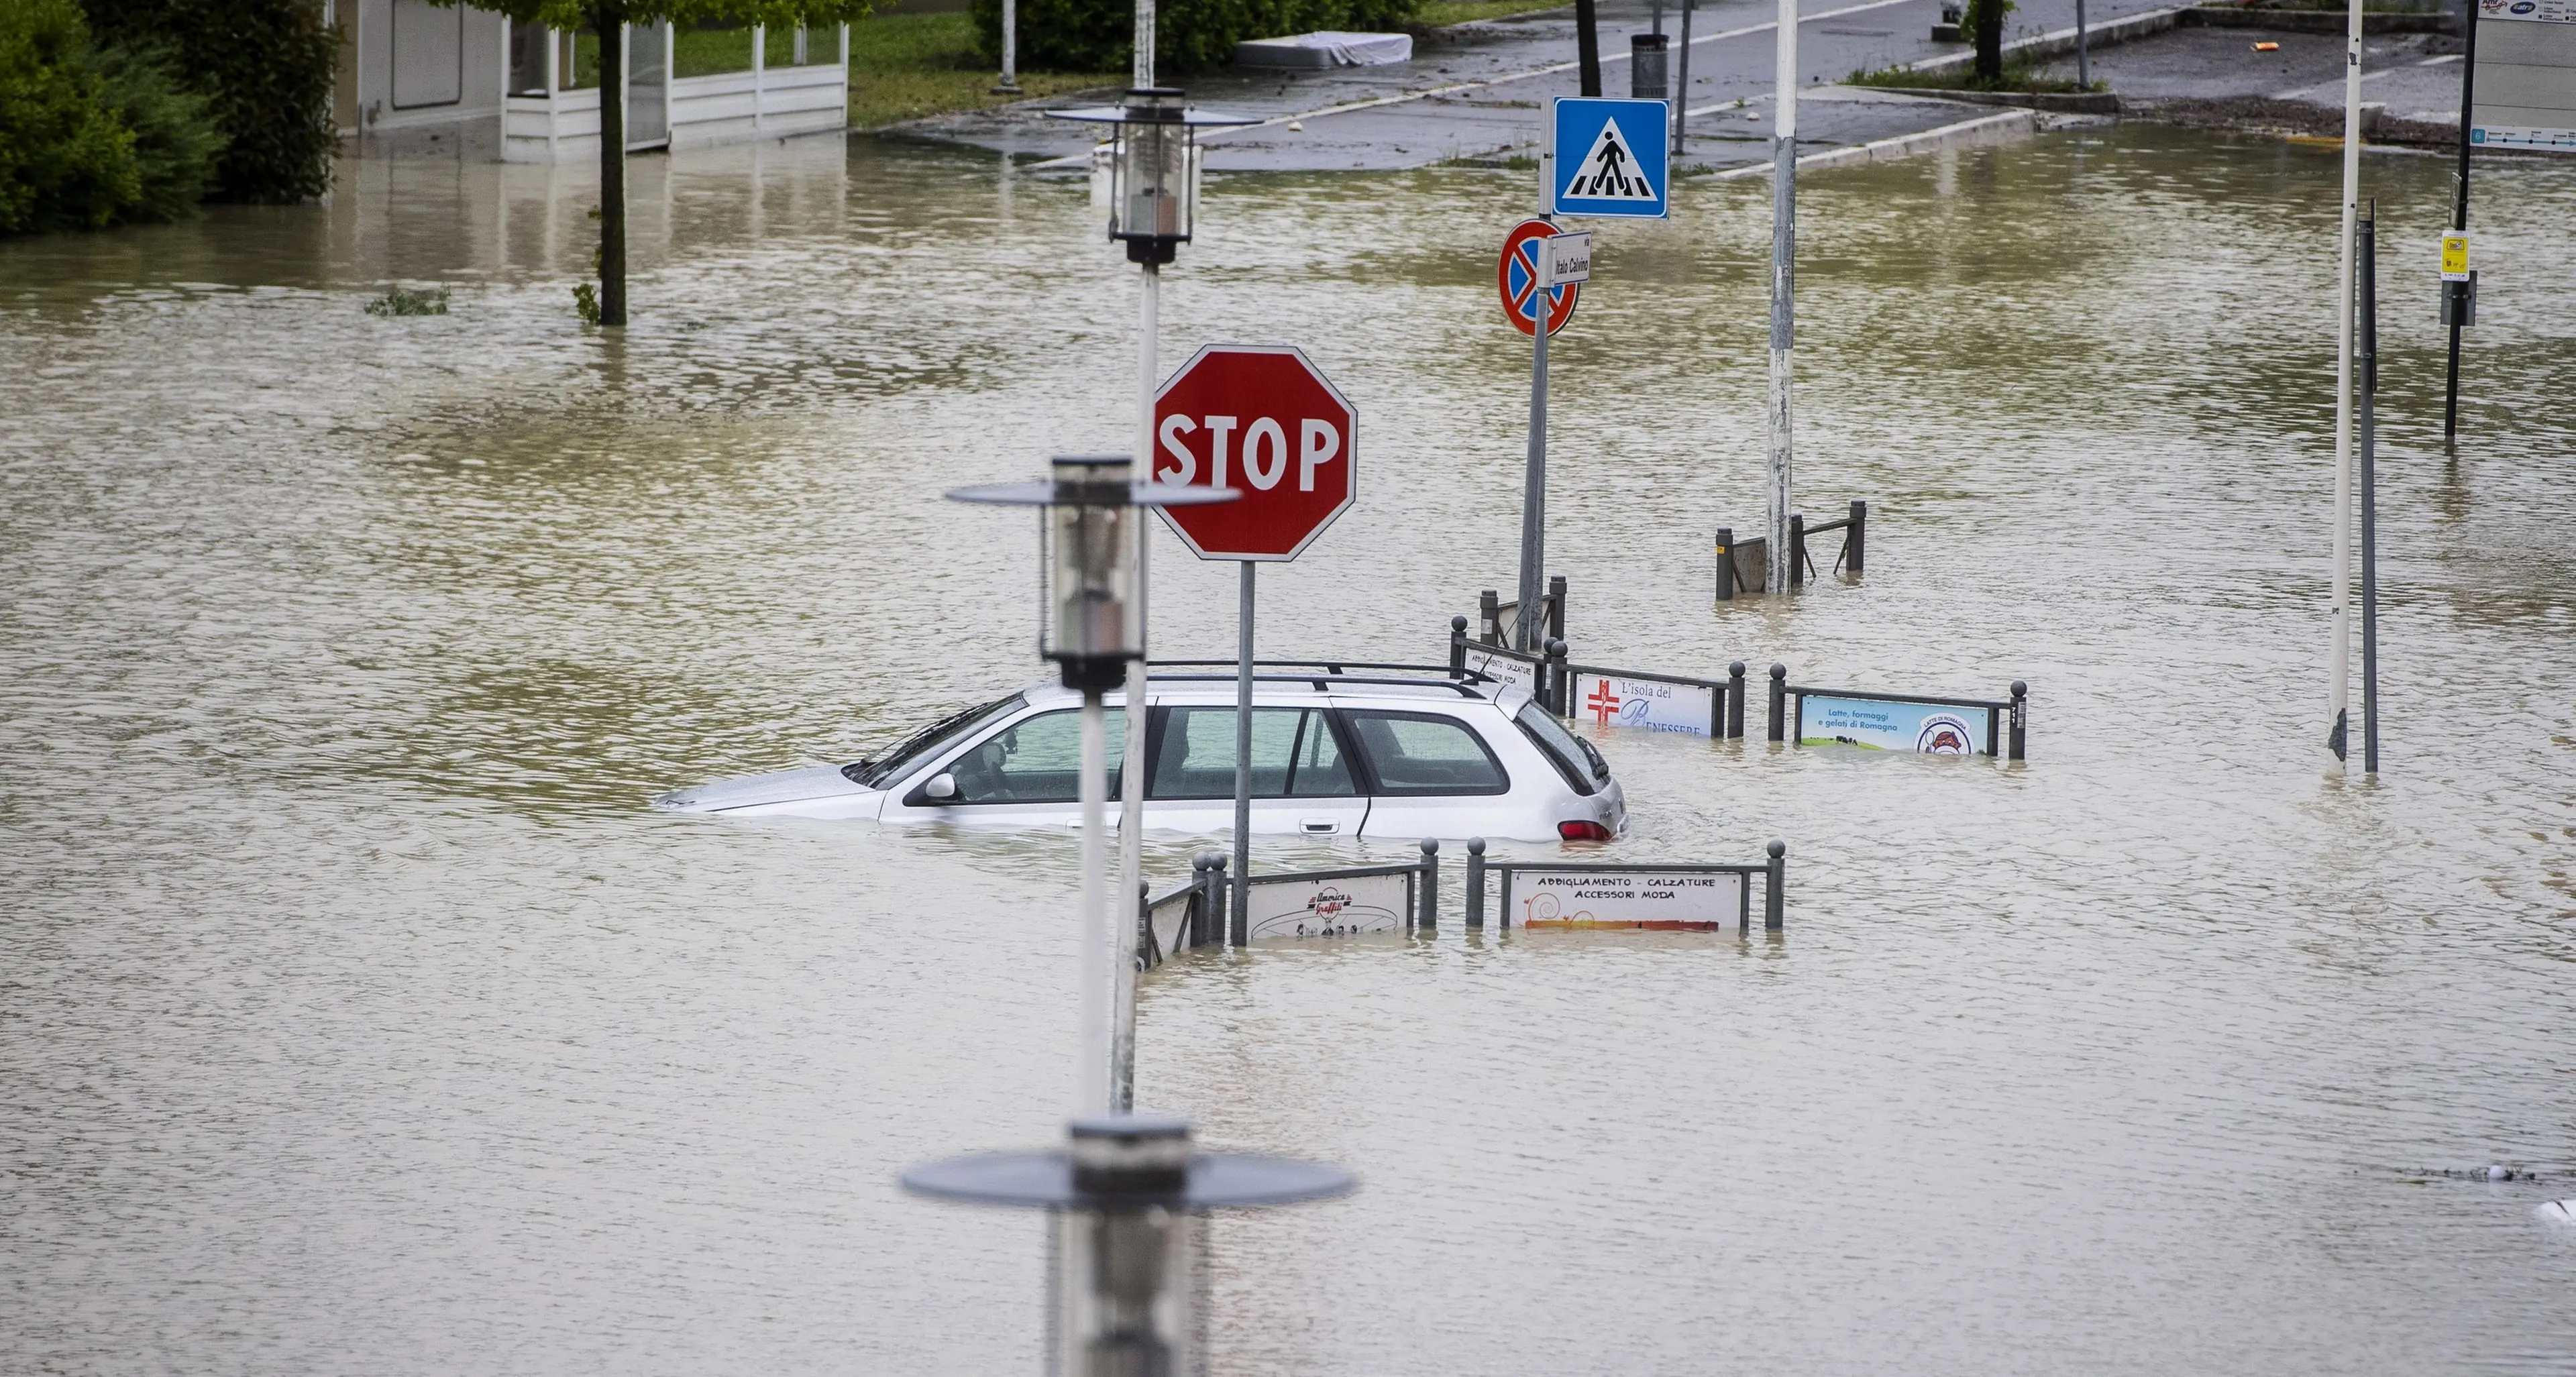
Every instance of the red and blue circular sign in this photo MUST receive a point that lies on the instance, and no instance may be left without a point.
(1518, 277)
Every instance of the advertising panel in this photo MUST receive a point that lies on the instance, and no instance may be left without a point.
(1655, 705)
(1883, 724)
(1518, 673)
(1298, 908)
(1685, 901)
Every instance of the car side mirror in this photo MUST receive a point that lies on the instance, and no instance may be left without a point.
(941, 788)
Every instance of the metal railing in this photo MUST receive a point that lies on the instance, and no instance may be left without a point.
(1195, 914)
(1732, 558)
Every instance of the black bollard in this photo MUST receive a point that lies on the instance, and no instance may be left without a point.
(1489, 616)
(1779, 701)
(1458, 646)
(1854, 538)
(1475, 882)
(1725, 564)
(1552, 677)
(1428, 910)
(2020, 719)
(1735, 701)
(1775, 906)
(1797, 548)
(1556, 607)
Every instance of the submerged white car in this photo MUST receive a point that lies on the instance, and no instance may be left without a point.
(1406, 754)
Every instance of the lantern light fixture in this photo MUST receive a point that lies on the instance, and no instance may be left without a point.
(1153, 186)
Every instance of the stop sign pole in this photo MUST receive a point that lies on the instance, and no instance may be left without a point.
(1264, 421)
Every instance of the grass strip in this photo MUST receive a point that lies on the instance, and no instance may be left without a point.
(907, 66)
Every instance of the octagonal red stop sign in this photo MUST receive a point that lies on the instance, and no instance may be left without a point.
(1261, 420)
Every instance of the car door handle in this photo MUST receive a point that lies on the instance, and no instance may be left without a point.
(1319, 825)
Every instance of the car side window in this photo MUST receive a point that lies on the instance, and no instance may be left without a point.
(1294, 755)
(1036, 760)
(1415, 753)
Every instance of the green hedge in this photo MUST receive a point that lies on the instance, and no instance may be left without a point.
(90, 138)
(264, 68)
(1189, 35)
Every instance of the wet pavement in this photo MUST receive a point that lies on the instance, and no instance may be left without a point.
(1479, 91)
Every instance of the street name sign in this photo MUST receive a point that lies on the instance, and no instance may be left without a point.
(1262, 420)
(1606, 157)
(1519, 275)
(1569, 257)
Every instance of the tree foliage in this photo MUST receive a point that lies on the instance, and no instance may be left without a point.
(264, 68)
(89, 136)
(1189, 35)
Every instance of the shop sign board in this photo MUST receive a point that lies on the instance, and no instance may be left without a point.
(1656, 705)
(1343, 906)
(1657, 900)
(1888, 724)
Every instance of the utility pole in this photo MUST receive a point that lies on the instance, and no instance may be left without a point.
(2461, 294)
(2340, 662)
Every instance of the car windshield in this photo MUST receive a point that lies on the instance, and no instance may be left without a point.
(1572, 758)
(880, 766)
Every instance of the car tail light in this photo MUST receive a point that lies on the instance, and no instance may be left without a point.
(1582, 831)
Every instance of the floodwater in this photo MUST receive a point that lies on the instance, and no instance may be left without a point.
(358, 1018)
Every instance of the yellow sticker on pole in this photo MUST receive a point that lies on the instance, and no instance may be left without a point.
(2455, 257)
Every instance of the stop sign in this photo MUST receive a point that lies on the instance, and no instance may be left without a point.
(1262, 421)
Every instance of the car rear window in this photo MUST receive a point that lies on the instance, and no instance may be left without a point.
(1417, 753)
(1560, 746)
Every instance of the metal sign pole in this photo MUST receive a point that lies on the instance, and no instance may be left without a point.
(2339, 672)
(2083, 59)
(1242, 756)
(1009, 85)
(1534, 480)
(2369, 262)
(2459, 291)
(1784, 220)
(1131, 811)
(1093, 1081)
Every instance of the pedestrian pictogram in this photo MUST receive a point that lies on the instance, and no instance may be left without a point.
(1607, 157)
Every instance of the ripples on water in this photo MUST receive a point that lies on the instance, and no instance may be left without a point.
(358, 1018)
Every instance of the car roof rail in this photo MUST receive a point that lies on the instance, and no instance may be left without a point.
(1466, 683)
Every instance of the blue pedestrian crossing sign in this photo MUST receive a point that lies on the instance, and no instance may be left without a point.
(1606, 157)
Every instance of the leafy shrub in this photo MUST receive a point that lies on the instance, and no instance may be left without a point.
(175, 143)
(65, 162)
(1189, 35)
(264, 68)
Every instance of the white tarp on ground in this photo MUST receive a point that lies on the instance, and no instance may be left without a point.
(1326, 50)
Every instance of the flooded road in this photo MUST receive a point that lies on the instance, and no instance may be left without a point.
(357, 1017)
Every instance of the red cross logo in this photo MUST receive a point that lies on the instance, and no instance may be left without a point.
(1602, 702)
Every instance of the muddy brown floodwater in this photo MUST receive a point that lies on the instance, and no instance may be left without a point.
(357, 1017)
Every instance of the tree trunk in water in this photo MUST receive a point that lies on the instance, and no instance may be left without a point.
(1587, 46)
(1990, 41)
(612, 166)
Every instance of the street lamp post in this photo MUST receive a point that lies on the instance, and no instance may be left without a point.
(1153, 202)
(1094, 630)
(1128, 1195)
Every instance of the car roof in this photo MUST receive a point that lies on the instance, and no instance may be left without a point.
(1341, 683)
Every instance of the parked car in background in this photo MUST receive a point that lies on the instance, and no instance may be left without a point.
(1375, 754)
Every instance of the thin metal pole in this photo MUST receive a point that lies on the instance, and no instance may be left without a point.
(2339, 663)
(1243, 755)
(1092, 1083)
(1534, 481)
(2369, 260)
(2460, 220)
(1009, 85)
(1681, 93)
(1131, 806)
(1784, 234)
(1143, 67)
(2083, 60)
